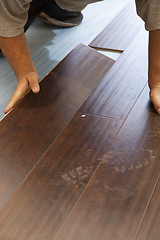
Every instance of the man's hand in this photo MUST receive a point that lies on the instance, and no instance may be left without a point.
(18, 55)
(154, 68)
(30, 81)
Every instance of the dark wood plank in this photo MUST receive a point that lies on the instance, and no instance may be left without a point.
(150, 225)
(31, 127)
(116, 198)
(121, 31)
(118, 91)
(40, 207)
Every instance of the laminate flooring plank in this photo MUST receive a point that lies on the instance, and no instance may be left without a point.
(28, 130)
(121, 31)
(118, 91)
(39, 208)
(114, 202)
(150, 225)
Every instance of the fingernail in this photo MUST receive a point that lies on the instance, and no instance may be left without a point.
(158, 110)
(5, 111)
(36, 89)
(8, 108)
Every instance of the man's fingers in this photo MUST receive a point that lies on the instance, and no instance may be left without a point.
(17, 95)
(8, 108)
(30, 81)
(33, 80)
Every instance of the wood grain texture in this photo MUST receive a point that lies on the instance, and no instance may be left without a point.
(31, 127)
(49, 45)
(121, 31)
(118, 91)
(116, 198)
(150, 225)
(41, 205)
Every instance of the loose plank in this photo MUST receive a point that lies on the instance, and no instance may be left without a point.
(115, 200)
(150, 225)
(121, 31)
(119, 89)
(41, 205)
(31, 127)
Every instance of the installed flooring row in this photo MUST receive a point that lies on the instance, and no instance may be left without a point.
(81, 157)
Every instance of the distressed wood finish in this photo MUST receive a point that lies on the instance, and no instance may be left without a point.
(118, 91)
(150, 225)
(40, 207)
(116, 198)
(28, 130)
(121, 31)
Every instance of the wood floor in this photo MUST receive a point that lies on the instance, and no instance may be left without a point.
(49, 45)
(81, 160)
(120, 32)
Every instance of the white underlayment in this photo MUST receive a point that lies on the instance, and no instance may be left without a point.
(49, 45)
(111, 54)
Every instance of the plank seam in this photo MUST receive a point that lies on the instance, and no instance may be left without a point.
(90, 44)
(54, 139)
(85, 189)
(100, 116)
(146, 209)
(107, 49)
(46, 76)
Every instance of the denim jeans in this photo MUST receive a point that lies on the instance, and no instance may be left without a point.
(36, 7)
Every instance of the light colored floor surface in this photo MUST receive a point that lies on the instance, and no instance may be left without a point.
(49, 45)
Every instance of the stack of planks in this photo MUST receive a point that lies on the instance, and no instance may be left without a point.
(80, 160)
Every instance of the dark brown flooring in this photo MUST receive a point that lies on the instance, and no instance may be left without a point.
(28, 131)
(120, 32)
(80, 160)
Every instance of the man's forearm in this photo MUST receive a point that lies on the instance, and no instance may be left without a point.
(154, 58)
(18, 55)
(154, 68)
